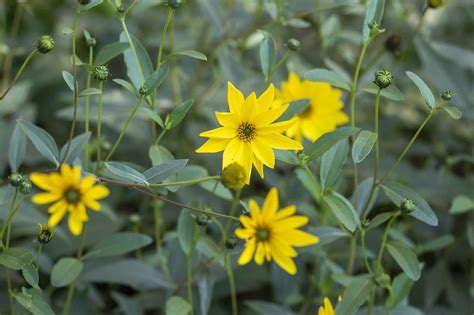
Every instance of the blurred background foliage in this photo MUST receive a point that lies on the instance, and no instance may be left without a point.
(440, 49)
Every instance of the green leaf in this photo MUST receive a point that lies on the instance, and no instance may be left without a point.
(343, 210)
(42, 141)
(160, 172)
(405, 258)
(126, 173)
(178, 114)
(332, 163)
(91, 5)
(401, 286)
(118, 244)
(109, 52)
(155, 79)
(363, 145)
(328, 140)
(30, 274)
(186, 228)
(379, 219)
(159, 155)
(355, 295)
(436, 244)
(69, 78)
(65, 271)
(16, 258)
(461, 204)
(267, 308)
(77, 145)
(17, 148)
(327, 234)
(127, 85)
(153, 115)
(33, 301)
(295, 108)
(133, 71)
(88, 92)
(453, 111)
(423, 212)
(308, 183)
(329, 76)
(374, 13)
(424, 89)
(267, 54)
(287, 157)
(391, 92)
(187, 53)
(176, 305)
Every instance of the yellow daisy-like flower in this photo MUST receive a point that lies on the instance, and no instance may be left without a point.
(249, 133)
(70, 194)
(272, 234)
(324, 112)
(327, 309)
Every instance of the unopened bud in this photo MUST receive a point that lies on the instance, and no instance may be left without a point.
(234, 176)
(202, 220)
(45, 44)
(230, 243)
(101, 72)
(91, 42)
(25, 186)
(45, 234)
(175, 3)
(435, 4)
(293, 44)
(407, 206)
(447, 95)
(383, 78)
(15, 179)
(84, 2)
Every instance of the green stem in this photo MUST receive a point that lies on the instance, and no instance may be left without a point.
(174, 70)
(136, 229)
(169, 18)
(132, 46)
(11, 213)
(99, 128)
(180, 183)
(233, 291)
(272, 72)
(162, 134)
(40, 250)
(157, 233)
(10, 218)
(72, 286)
(228, 225)
(74, 74)
(190, 267)
(317, 186)
(9, 281)
(352, 252)
(364, 251)
(20, 71)
(352, 109)
(124, 129)
(88, 85)
(384, 239)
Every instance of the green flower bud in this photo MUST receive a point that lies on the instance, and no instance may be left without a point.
(304, 158)
(45, 44)
(435, 4)
(383, 280)
(15, 179)
(45, 234)
(375, 28)
(293, 44)
(447, 95)
(175, 3)
(203, 220)
(234, 176)
(407, 206)
(143, 91)
(91, 42)
(230, 243)
(383, 78)
(121, 9)
(84, 2)
(393, 43)
(25, 186)
(101, 72)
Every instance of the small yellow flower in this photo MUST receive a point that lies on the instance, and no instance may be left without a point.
(70, 194)
(327, 309)
(324, 112)
(248, 134)
(272, 234)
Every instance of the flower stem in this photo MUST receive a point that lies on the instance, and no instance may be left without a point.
(8, 279)
(230, 275)
(124, 129)
(74, 92)
(180, 183)
(272, 72)
(88, 85)
(228, 225)
(169, 18)
(384, 239)
(20, 71)
(99, 128)
(40, 250)
(364, 251)
(190, 267)
(72, 286)
(132, 47)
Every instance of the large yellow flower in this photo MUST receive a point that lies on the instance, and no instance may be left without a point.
(70, 194)
(248, 134)
(327, 309)
(272, 234)
(324, 112)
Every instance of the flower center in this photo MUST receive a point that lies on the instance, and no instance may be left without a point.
(246, 131)
(263, 235)
(306, 112)
(72, 195)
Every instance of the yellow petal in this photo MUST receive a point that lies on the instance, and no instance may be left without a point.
(328, 307)
(220, 133)
(247, 222)
(276, 128)
(91, 204)
(244, 233)
(260, 254)
(279, 243)
(228, 120)
(74, 224)
(57, 215)
(270, 205)
(97, 192)
(300, 238)
(247, 253)
(321, 311)
(285, 212)
(263, 152)
(213, 146)
(44, 198)
(255, 212)
(281, 142)
(235, 98)
(265, 100)
(293, 222)
(249, 108)
(258, 165)
(285, 262)
(87, 182)
(265, 118)
(232, 152)
(44, 181)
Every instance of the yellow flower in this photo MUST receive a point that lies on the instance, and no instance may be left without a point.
(248, 134)
(272, 234)
(327, 309)
(324, 112)
(70, 194)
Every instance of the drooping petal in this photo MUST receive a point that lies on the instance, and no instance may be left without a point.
(91, 204)
(247, 253)
(285, 262)
(213, 146)
(282, 246)
(232, 152)
(74, 223)
(220, 133)
(235, 98)
(258, 166)
(57, 215)
(260, 253)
